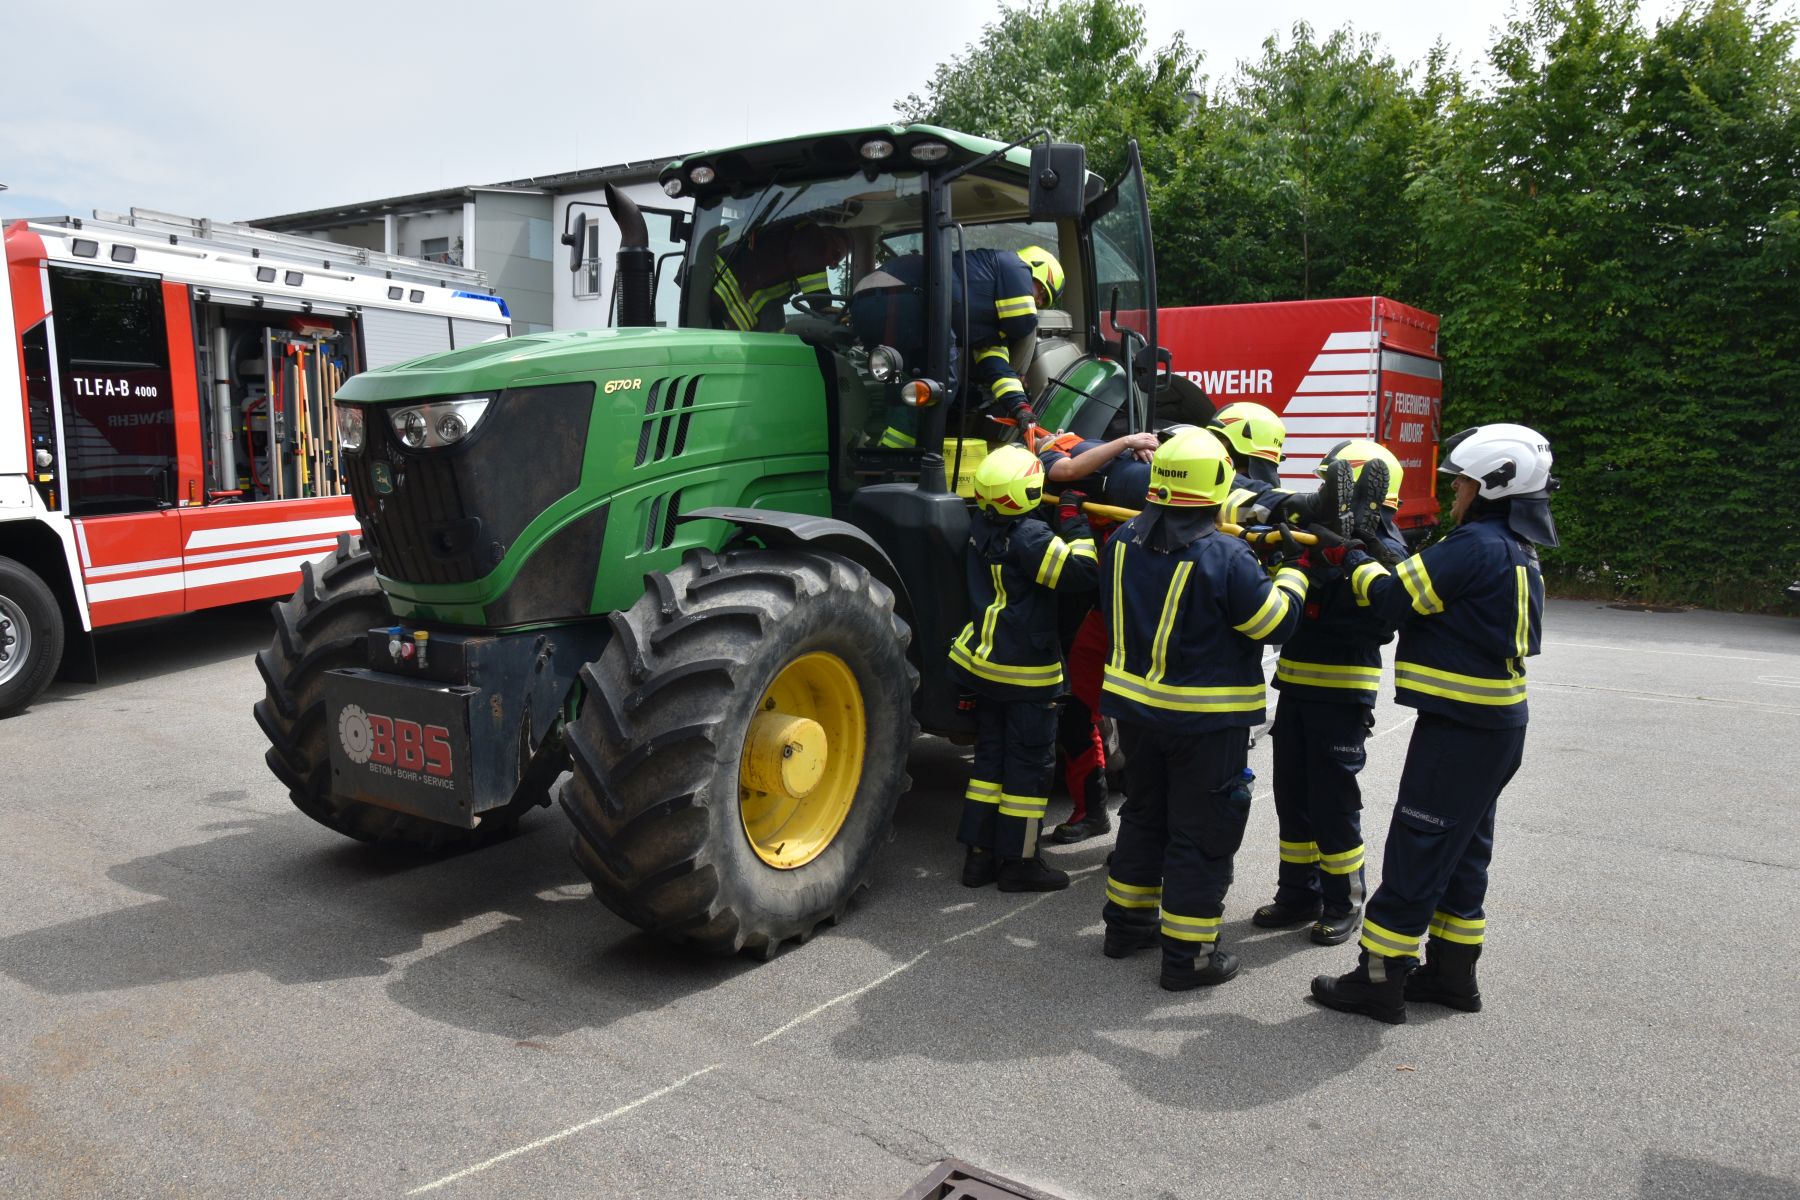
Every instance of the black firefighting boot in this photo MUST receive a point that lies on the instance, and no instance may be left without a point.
(1366, 512)
(1125, 939)
(1031, 875)
(1210, 967)
(1094, 823)
(1285, 916)
(1336, 928)
(980, 867)
(1376, 988)
(1448, 976)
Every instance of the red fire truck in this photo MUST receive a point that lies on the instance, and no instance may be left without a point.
(166, 432)
(1366, 367)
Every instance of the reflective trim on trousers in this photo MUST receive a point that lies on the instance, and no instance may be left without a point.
(1023, 806)
(1387, 943)
(982, 791)
(1131, 895)
(1190, 929)
(1457, 929)
(1343, 862)
(1300, 852)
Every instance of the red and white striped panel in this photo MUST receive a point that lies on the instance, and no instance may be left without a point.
(1333, 401)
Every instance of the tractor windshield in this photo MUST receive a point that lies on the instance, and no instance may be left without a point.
(792, 250)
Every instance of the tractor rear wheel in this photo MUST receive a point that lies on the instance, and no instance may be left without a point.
(323, 626)
(741, 748)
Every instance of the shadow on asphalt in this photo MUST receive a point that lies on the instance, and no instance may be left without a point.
(1676, 1177)
(508, 941)
(129, 653)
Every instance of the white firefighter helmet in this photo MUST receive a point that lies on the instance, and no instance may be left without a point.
(1505, 460)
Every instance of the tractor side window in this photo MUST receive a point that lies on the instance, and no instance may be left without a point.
(1124, 271)
(661, 224)
(112, 353)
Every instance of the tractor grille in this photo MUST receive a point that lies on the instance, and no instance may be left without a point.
(451, 515)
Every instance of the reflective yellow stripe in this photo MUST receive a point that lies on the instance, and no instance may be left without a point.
(1051, 565)
(1387, 943)
(1234, 698)
(1294, 580)
(1128, 895)
(991, 618)
(1023, 806)
(1190, 929)
(1118, 604)
(990, 352)
(816, 282)
(896, 439)
(1343, 862)
(1361, 578)
(1273, 611)
(1005, 386)
(1521, 639)
(985, 791)
(760, 300)
(1047, 675)
(1470, 689)
(1084, 548)
(1165, 624)
(1015, 306)
(1417, 581)
(1299, 852)
(726, 288)
(1456, 929)
(1329, 675)
(1237, 500)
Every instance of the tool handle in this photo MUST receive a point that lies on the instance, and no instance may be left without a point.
(1113, 512)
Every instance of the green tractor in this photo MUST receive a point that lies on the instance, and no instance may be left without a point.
(681, 563)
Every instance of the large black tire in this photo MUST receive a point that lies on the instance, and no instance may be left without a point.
(31, 637)
(323, 626)
(654, 794)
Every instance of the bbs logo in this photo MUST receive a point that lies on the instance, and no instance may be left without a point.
(372, 738)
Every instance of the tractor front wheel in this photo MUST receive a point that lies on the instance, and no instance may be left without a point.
(741, 748)
(326, 625)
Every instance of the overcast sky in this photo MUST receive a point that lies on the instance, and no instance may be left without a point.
(239, 110)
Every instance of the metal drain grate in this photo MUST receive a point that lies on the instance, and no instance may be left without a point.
(954, 1179)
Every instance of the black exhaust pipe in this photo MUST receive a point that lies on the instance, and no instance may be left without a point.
(637, 264)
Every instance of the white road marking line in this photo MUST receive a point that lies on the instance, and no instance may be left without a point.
(836, 1000)
(1778, 681)
(1669, 698)
(1397, 725)
(571, 1131)
(1677, 653)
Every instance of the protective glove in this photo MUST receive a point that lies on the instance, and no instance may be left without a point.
(1333, 549)
(1022, 413)
(1071, 522)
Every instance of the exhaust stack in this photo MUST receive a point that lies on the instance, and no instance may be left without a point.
(637, 264)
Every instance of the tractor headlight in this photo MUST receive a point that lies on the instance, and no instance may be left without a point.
(885, 364)
(443, 423)
(349, 426)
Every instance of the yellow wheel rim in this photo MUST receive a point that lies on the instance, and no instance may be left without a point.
(802, 760)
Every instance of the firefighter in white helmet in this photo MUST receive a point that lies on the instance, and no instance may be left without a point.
(1469, 610)
(1188, 610)
(1008, 656)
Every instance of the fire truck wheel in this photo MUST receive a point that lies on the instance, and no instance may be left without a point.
(322, 627)
(31, 637)
(742, 747)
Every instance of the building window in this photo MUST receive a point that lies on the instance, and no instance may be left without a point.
(587, 279)
(538, 242)
(439, 250)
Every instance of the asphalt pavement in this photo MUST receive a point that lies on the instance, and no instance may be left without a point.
(202, 993)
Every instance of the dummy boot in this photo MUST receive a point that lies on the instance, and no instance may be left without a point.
(1368, 515)
(1448, 976)
(1336, 928)
(1376, 988)
(1124, 939)
(1285, 916)
(1031, 875)
(980, 867)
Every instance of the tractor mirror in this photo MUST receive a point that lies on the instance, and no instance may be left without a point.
(576, 241)
(1058, 179)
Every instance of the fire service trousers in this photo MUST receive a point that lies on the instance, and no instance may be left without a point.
(1078, 728)
(1183, 819)
(1434, 871)
(1318, 752)
(1009, 787)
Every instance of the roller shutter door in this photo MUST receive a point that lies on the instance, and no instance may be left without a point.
(471, 333)
(391, 337)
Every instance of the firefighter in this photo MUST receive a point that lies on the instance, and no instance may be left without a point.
(1187, 608)
(1255, 438)
(754, 277)
(1004, 288)
(1079, 468)
(1008, 657)
(1469, 610)
(1328, 675)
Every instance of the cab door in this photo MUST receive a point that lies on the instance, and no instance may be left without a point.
(121, 462)
(1122, 300)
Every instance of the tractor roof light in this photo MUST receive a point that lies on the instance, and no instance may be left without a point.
(876, 149)
(672, 187)
(702, 175)
(929, 152)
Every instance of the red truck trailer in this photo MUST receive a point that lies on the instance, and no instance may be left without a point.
(1364, 367)
(167, 441)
